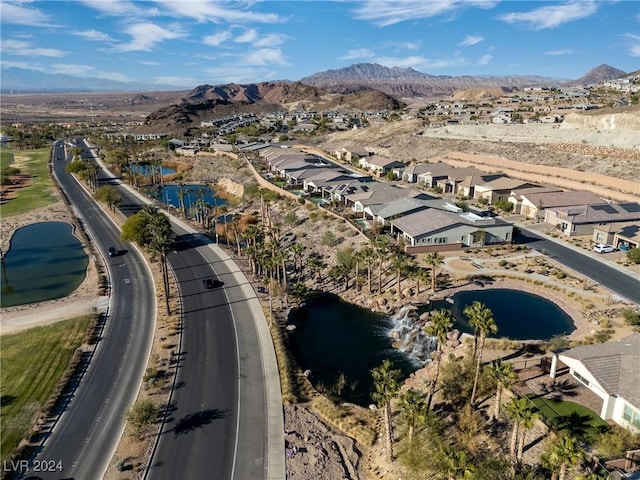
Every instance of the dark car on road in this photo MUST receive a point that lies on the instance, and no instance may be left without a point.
(210, 283)
(112, 251)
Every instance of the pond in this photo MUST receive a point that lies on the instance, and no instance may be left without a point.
(145, 169)
(519, 315)
(333, 337)
(169, 194)
(44, 261)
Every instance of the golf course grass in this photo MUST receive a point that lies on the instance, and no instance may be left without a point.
(33, 362)
(41, 191)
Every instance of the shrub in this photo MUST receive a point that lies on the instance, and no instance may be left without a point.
(631, 317)
(503, 263)
(633, 255)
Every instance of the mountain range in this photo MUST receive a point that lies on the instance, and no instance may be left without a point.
(395, 81)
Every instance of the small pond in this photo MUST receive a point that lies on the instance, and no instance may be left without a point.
(44, 261)
(169, 194)
(519, 315)
(145, 169)
(333, 337)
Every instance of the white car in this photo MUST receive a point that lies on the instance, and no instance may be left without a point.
(603, 248)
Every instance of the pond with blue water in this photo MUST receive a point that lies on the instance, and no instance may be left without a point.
(332, 337)
(45, 261)
(169, 194)
(145, 169)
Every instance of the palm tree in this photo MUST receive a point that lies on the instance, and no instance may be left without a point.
(522, 414)
(505, 376)
(420, 275)
(481, 318)
(296, 250)
(414, 410)
(381, 245)
(386, 381)
(452, 463)
(441, 323)
(563, 454)
(160, 240)
(434, 260)
(399, 261)
(368, 256)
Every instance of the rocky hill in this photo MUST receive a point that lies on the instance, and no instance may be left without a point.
(402, 83)
(598, 75)
(207, 101)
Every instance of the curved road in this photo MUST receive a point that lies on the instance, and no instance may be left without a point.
(619, 282)
(226, 417)
(87, 433)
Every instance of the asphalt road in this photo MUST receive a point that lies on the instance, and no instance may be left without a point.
(217, 428)
(85, 437)
(622, 284)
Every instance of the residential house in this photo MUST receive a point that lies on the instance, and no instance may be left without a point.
(456, 177)
(437, 171)
(610, 370)
(341, 191)
(351, 154)
(380, 196)
(623, 236)
(467, 187)
(534, 203)
(438, 229)
(385, 213)
(410, 173)
(582, 220)
(517, 195)
(498, 188)
(379, 165)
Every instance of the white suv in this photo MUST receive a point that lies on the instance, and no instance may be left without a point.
(603, 248)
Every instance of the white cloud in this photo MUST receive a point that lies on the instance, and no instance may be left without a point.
(247, 36)
(146, 36)
(93, 35)
(357, 53)
(564, 51)
(18, 14)
(485, 59)
(21, 47)
(265, 56)
(9, 64)
(634, 50)
(470, 40)
(217, 38)
(119, 8)
(383, 13)
(270, 40)
(553, 15)
(150, 63)
(215, 11)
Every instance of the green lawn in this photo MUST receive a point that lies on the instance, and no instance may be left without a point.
(41, 192)
(570, 416)
(33, 362)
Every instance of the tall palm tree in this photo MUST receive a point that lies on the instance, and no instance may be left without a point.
(434, 260)
(381, 245)
(481, 318)
(368, 256)
(400, 262)
(505, 376)
(386, 381)
(563, 454)
(414, 410)
(160, 240)
(441, 323)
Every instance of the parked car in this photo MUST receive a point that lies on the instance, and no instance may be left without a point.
(603, 248)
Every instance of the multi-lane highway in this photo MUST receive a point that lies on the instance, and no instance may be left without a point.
(85, 436)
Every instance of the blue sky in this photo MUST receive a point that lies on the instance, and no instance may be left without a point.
(192, 42)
